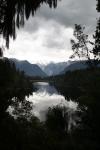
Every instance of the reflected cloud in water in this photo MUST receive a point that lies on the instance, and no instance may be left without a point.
(47, 96)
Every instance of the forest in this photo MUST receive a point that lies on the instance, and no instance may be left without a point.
(22, 130)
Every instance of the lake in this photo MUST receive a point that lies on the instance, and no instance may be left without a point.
(47, 96)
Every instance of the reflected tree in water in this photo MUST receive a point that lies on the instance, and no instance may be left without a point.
(13, 14)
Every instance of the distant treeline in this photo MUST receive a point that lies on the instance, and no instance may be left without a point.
(26, 132)
(83, 86)
(13, 83)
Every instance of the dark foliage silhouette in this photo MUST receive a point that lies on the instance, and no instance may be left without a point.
(98, 5)
(83, 86)
(84, 48)
(96, 49)
(80, 46)
(26, 132)
(12, 84)
(14, 12)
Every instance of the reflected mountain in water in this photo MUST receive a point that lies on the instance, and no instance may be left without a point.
(44, 87)
(47, 97)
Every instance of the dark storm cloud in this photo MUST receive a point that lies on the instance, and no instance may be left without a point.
(67, 13)
(70, 12)
(47, 35)
(54, 43)
(55, 37)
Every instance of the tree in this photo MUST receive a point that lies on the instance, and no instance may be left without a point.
(80, 44)
(14, 86)
(96, 49)
(98, 5)
(56, 119)
(13, 13)
(84, 48)
(1, 53)
(62, 119)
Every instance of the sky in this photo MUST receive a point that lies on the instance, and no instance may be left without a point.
(46, 36)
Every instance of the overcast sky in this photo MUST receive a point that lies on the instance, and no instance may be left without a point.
(46, 36)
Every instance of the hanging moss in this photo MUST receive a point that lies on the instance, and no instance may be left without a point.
(14, 12)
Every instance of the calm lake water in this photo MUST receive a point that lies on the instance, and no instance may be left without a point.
(47, 96)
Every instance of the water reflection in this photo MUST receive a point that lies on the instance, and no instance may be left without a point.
(47, 96)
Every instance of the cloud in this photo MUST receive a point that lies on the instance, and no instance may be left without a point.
(67, 14)
(42, 45)
(46, 36)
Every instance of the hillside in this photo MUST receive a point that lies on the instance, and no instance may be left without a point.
(28, 68)
(76, 65)
(54, 68)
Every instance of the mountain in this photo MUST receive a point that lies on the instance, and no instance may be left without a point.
(54, 68)
(76, 65)
(44, 70)
(28, 68)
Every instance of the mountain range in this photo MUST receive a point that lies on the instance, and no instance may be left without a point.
(76, 65)
(62, 67)
(54, 68)
(28, 68)
(43, 70)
